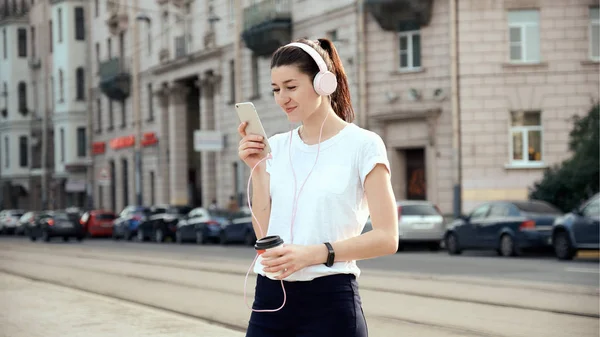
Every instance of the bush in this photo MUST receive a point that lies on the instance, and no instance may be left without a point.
(576, 179)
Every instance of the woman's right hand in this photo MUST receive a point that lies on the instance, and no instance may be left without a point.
(251, 149)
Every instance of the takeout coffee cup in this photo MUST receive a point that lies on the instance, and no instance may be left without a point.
(266, 243)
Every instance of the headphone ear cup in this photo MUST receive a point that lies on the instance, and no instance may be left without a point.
(325, 83)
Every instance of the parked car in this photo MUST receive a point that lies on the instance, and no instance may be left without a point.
(126, 224)
(9, 219)
(24, 221)
(202, 225)
(161, 222)
(55, 224)
(420, 222)
(577, 230)
(505, 226)
(98, 223)
(238, 230)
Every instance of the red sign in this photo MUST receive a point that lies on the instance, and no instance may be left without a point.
(98, 147)
(149, 139)
(122, 142)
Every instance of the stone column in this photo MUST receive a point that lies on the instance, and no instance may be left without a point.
(207, 122)
(178, 143)
(163, 176)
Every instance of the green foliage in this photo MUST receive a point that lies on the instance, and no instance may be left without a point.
(576, 179)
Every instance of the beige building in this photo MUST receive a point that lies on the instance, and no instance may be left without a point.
(523, 68)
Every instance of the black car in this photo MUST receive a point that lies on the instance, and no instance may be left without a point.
(505, 226)
(161, 223)
(55, 224)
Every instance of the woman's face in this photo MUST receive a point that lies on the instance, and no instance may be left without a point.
(294, 93)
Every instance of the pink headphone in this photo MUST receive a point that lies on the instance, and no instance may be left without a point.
(325, 81)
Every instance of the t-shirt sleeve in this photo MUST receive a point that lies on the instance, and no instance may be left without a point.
(372, 153)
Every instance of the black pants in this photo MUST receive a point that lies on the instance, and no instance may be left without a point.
(327, 306)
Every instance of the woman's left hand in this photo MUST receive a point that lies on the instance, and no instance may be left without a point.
(289, 259)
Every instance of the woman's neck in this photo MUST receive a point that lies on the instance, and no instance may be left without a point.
(311, 127)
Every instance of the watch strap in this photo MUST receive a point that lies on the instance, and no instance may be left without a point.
(330, 255)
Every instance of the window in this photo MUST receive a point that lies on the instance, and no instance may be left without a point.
(50, 32)
(231, 81)
(595, 33)
(80, 76)
(6, 152)
(152, 187)
(526, 137)
(255, 76)
(60, 25)
(98, 55)
(98, 114)
(33, 42)
(409, 39)
(480, 212)
(111, 121)
(23, 153)
(22, 38)
(79, 24)
(125, 170)
(81, 142)
(499, 210)
(150, 103)
(62, 145)
(4, 44)
(592, 209)
(22, 89)
(123, 114)
(61, 87)
(109, 48)
(524, 35)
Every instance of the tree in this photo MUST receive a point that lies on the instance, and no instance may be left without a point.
(576, 179)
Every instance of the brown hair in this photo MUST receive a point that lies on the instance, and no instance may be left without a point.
(340, 99)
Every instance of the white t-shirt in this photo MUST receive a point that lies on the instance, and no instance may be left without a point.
(332, 205)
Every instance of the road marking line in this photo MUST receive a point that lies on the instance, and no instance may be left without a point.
(583, 270)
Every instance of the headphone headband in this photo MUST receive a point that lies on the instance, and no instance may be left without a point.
(313, 53)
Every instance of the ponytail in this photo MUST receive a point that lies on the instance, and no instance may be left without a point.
(340, 99)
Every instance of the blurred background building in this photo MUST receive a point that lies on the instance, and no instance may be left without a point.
(135, 97)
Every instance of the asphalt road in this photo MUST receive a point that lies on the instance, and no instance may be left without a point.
(537, 267)
(460, 296)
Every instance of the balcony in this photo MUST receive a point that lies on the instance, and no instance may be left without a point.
(13, 9)
(393, 15)
(267, 26)
(115, 78)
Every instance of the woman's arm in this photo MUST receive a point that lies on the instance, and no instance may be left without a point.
(383, 239)
(261, 200)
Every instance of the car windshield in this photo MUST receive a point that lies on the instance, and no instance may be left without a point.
(421, 209)
(61, 216)
(17, 214)
(536, 207)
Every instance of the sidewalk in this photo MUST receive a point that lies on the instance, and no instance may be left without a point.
(32, 309)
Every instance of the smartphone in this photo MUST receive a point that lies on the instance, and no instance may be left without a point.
(247, 113)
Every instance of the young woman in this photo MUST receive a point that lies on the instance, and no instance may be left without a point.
(316, 192)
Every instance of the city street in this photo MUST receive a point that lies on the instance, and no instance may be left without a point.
(132, 286)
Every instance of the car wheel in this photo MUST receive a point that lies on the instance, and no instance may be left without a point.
(32, 238)
(158, 236)
(200, 238)
(140, 235)
(452, 244)
(45, 236)
(65, 238)
(508, 246)
(562, 246)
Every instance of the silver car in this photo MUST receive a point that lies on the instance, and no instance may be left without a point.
(419, 223)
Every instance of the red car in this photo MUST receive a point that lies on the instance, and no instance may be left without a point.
(98, 222)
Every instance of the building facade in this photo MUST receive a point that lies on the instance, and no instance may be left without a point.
(523, 67)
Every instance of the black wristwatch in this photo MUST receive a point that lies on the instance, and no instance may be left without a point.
(330, 256)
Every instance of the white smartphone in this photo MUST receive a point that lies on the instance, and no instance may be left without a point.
(247, 113)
